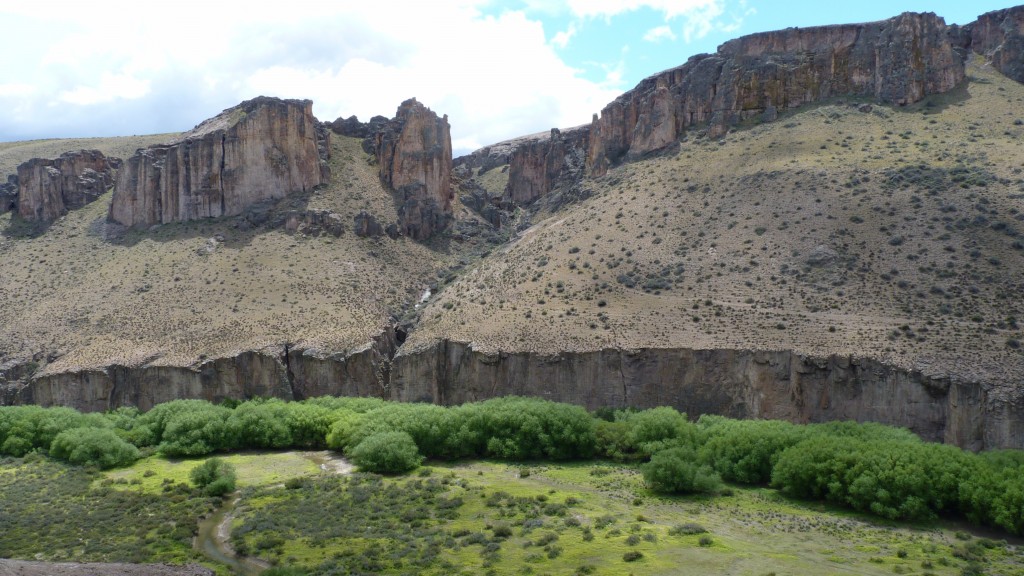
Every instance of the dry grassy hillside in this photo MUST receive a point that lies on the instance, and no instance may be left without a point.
(891, 233)
(14, 153)
(85, 294)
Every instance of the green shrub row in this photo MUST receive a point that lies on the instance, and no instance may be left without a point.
(869, 467)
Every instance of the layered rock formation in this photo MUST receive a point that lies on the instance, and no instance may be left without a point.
(48, 188)
(736, 383)
(537, 166)
(896, 61)
(414, 151)
(260, 150)
(999, 36)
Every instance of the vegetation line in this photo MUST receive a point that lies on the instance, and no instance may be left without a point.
(868, 467)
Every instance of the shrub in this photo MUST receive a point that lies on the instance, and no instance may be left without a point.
(632, 556)
(676, 471)
(387, 452)
(746, 450)
(100, 447)
(215, 477)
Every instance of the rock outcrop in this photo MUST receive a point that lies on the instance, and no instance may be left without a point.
(999, 37)
(353, 128)
(262, 149)
(48, 188)
(414, 151)
(896, 61)
(736, 383)
(537, 166)
(9, 195)
(314, 222)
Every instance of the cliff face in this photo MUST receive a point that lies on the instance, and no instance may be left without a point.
(999, 36)
(47, 189)
(897, 61)
(537, 165)
(289, 373)
(737, 383)
(414, 151)
(262, 149)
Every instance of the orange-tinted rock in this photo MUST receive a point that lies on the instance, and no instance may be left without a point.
(262, 149)
(999, 36)
(414, 151)
(47, 189)
(896, 61)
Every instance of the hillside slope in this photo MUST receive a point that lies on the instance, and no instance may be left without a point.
(843, 230)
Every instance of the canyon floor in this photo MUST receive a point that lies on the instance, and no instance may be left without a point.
(542, 518)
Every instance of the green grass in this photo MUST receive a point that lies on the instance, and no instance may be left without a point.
(253, 469)
(51, 511)
(511, 523)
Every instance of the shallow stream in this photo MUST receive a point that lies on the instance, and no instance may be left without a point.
(214, 535)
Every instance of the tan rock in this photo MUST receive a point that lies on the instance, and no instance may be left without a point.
(897, 61)
(47, 189)
(414, 151)
(262, 149)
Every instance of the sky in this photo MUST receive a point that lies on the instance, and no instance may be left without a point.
(497, 69)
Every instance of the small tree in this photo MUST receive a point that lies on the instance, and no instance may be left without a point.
(387, 452)
(100, 447)
(215, 477)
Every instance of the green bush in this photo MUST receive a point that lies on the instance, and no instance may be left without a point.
(677, 471)
(215, 477)
(100, 447)
(203, 431)
(746, 450)
(387, 453)
(636, 435)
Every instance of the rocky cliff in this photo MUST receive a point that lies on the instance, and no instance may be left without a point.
(896, 61)
(738, 383)
(48, 188)
(538, 165)
(414, 152)
(262, 149)
(999, 36)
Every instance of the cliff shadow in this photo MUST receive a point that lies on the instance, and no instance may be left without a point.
(17, 227)
(233, 231)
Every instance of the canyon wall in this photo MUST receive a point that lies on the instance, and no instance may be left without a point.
(999, 36)
(414, 152)
(262, 149)
(537, 166)
(896, 61)
(281, 372)
(48, 188)
(737, 383)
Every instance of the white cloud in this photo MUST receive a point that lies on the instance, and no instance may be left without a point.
(129, 70)
(659, 33)
(109, 88)
(608, 8)
(561, 39)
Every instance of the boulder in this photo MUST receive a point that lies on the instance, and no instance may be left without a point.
(414, 154)
(365, 225)
(262, 149)
(48, 188)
